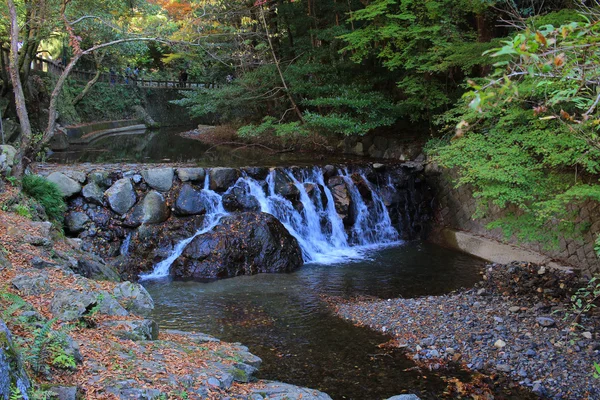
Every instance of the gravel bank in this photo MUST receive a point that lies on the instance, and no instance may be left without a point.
(512, 323)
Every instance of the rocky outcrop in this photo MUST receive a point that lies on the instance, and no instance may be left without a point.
(12, 373)
(243, 244)
(284, 186)
(70, 305)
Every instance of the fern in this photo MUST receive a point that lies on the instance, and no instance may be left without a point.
(15, 393)
(16, 303)
(39, 350)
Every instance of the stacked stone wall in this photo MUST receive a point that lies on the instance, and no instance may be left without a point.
(456, 206)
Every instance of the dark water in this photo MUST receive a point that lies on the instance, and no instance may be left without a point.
(283, 319)
(166, 145)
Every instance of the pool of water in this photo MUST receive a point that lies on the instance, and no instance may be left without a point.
(284, 320)
(167, 145)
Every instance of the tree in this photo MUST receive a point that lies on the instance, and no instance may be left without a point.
(527, 136)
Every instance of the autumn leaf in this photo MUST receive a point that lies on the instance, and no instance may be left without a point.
(540, 38)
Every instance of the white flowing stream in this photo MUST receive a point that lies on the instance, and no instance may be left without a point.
(316, 224)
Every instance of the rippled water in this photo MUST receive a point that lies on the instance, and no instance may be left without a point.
(283, 319)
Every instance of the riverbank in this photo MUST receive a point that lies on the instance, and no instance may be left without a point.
(83, 338)
(515, 324)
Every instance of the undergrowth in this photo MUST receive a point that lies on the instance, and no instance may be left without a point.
(47, 194)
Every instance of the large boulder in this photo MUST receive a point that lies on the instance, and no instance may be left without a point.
(12, 372)
(191, 174)
(96, 269)
(189, 201)
(134, 297)
(31, 285)
(160, 179)
(67, 186)
(242, 244)
(121, 196)
(93, 194)
(222, 179)
(69, 305)
(151, 210)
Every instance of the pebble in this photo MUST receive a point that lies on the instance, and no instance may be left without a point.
(545, 321)
(476, 333)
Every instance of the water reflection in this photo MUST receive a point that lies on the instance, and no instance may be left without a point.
(166, 145)
(283, 319)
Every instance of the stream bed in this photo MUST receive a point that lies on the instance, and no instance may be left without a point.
(284, 319)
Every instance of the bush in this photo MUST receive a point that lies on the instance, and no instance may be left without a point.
(47, 194)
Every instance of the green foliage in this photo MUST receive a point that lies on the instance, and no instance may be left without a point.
(427, 43)
(15, 393)
(596, 373)
(583, 301)
(597, 246)
(527, 140)
(47, 194)
(40, 347)
(23, 210)
(13, 303)
(269, 126)
(48, 349)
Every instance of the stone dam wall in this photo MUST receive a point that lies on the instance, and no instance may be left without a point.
(137, 214)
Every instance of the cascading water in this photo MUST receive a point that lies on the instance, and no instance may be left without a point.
(315, 223)
(124, 249)
(214, 212)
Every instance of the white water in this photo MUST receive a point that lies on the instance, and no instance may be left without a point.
(317, 226)
(214, 212)
(124, 249)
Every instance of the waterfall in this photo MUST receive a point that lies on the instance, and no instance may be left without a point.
(124, 249)
(214, 212)
(312, 219)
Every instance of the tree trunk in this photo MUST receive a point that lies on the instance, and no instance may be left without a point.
(23, 157)
(91, 83)
(52, 111)
(276, 60)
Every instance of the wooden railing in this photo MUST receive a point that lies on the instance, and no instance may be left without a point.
(52, 67)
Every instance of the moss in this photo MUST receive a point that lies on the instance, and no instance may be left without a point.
(239, 375)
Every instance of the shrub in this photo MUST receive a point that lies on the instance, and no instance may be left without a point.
(47, 194)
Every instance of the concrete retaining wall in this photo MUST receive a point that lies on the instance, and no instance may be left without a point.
(456, 207)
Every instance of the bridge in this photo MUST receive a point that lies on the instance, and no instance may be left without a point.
(55, 68)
